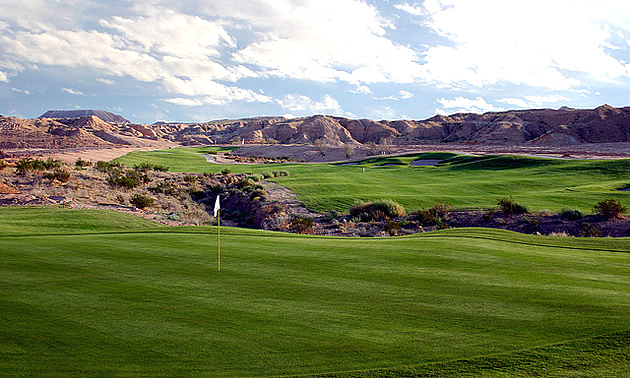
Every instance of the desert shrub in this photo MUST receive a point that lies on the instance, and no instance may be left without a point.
(124, 181)
(302, 223)
(190, 179)
(442, 225)
(51, 163)
(216, 189)
(244, 182)
(166, 187)
(280, 173)
(101, 166)
(330, 216)
(60, 175)
(143, 167)
(3, 164)
(25, 165)
(589, 231)
(509, 207)
(441, 210)
(81, 164)
(377, 210)
(393, 228)
(128, 179)
(277, 208)
(255, 177)
(267, 175)
(425, 217)
(105, 166)
(571, 214)
(146, 167)
(225, 172)
(487, 216)
(275, 222)
(436, 215)
(258, 195)
(142, 201)
(196, 194)
(610, 208)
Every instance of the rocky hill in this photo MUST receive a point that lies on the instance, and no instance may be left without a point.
(102, 114)
(540, 127)
(64, 133)
(545, 127)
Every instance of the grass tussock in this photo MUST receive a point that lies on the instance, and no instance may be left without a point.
(377, 210)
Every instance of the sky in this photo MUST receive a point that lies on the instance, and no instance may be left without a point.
(201, 60)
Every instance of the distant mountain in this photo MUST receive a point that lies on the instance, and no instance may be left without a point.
(102, 114)
(549, 127)
(60, 133)
(537, 127)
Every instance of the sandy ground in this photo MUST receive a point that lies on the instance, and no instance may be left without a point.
(93, 154)
(303, 153)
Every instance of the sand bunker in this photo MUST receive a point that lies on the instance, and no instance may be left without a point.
(425, 162)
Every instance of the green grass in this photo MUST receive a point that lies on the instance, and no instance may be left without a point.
(461, 181)
(148, 301)
(47, 220)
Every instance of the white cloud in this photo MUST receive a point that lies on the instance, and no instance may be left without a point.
(23, 91)
(402, 95)
(362, 89)
(3, 77)
(415, 10)
(185, 101)
(405, 95)
(167, 32)
(177, 51)
(384, 112)
(461, 104)
(513, 101)
(533, 101)
(106, 81)
(326, 40)
(305, 105)
(73, 92)
(537, 43)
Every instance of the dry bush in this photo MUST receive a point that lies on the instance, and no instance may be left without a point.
(377, 210)
(610, 208)
(142, 201)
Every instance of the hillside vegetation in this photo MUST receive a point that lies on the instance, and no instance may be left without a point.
(149, 301)
(461, 181)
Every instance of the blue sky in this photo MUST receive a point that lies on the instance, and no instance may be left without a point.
(199, 60)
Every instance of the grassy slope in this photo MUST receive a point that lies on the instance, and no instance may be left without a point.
(45, 220)
(463, 182)
(147, 302)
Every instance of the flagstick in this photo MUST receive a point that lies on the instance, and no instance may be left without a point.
(219, 240)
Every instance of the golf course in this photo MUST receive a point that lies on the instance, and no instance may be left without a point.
(102, 293)
(461, 181)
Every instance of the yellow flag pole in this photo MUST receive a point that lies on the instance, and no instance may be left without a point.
(219, 241)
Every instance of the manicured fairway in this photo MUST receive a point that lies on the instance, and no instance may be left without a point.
(149, 301)
(461, 181)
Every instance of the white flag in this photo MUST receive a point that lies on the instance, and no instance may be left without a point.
(217, 207)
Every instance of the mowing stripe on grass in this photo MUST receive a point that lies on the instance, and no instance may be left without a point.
(288, 304)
